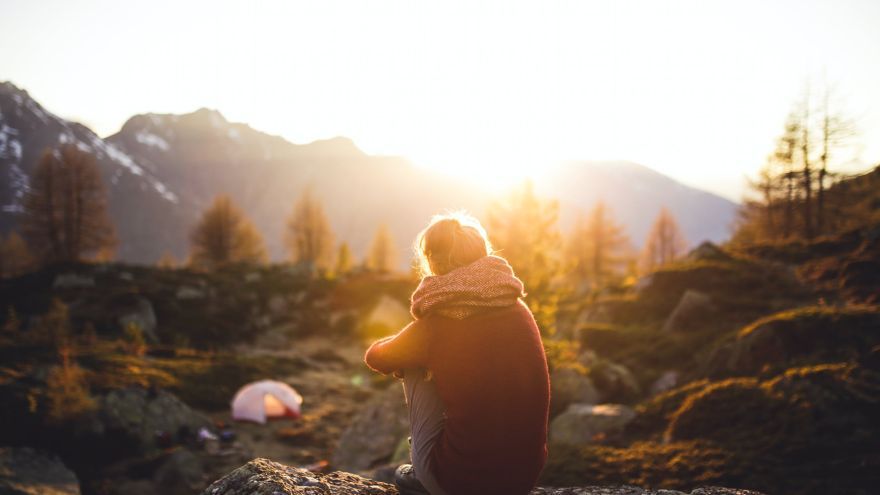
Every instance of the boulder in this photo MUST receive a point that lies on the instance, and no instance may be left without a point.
(26, 471)
(73, 281)
(667, 381)
(181, 474)
(388, 313)
(186, 292)
(139, 311)
(569, 386)
(691, 312)
(264, 477)
(817, 334)
(615, 382)
(708, 251)
(374, 434)
(580, 424)
(134, 416)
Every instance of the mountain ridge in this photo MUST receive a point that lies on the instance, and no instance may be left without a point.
(162, 170)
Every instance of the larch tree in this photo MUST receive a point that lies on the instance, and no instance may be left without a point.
(65, 211)
(344, 260)
(225, 236)
(835, 133)
(15, 257)
(308, 236)
(523, 228)
(597, 247)
(382, 256)
(789, 198)
(665, 242)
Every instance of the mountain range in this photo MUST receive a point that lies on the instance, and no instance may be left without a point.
(163, 170)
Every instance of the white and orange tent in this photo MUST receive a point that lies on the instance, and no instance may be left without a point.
(265, 399)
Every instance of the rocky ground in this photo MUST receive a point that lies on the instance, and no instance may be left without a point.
(264, 477)
(745, 369)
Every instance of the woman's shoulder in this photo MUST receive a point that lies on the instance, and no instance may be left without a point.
(515, 312)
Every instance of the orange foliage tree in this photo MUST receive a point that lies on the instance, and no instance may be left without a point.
(225, 236)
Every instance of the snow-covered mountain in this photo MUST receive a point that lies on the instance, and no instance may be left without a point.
(137, 197)
(162, 170)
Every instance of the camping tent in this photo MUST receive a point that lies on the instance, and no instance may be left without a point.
(258, 401)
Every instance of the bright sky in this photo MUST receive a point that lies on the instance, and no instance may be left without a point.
(695, 89)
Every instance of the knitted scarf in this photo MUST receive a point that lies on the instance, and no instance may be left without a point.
(485, 284)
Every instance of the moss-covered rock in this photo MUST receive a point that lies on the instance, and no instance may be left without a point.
(806, 335)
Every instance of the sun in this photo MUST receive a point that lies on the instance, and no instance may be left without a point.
(493, 171)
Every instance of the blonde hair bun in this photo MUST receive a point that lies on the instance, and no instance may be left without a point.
(450, 241)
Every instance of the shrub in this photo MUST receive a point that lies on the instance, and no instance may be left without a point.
(66, 390)
(134, 339)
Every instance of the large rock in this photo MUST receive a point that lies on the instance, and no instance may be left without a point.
(73, 281)
(708, 251)
(134, 416)
(615, 382)
(691, 312)
(580, 424)
(181, 474)
(375, 432)
(569, 386)
(667, 381)
(139, 311)
(26, 471)
(264, 477)
(388, 313)
(818, 334)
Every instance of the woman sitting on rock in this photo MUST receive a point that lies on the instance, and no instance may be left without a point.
(473, 367)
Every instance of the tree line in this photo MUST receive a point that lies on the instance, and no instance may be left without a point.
(790, 195)
(65, 220)
(225, 236)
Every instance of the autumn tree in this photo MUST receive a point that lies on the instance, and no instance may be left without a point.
(665, 242)
(344, 259)
(67, 390)
(225, 236)
(65, 210)
(523, 229)
(789, 197)
(167, 261)
(15, 257)
(308, 236)
(836, 131)
(597, 247)
(382, 256)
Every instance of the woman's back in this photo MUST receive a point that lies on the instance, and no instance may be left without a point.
(491, 373)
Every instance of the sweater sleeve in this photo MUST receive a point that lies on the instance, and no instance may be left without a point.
(407, 349)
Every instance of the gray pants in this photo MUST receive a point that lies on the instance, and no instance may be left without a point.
(426, 418)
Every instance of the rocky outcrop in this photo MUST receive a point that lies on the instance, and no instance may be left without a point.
(135, 416)
(138, 311)
(692, 311)
(581, 424)
(264, 477)
(807, 335)
(374, 434)
(614, 382)
(570, 386)
(26, 471)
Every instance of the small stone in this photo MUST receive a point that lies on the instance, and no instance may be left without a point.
(73, 281)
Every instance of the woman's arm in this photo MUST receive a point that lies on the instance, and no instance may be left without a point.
(407, 349)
